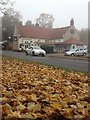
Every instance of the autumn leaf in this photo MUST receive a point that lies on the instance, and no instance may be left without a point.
(31, 90)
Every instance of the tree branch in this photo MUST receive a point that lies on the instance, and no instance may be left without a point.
(4, 3)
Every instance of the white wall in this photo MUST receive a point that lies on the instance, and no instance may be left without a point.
(23, 40)
(57, 40)
(68, 35)
(28, 41)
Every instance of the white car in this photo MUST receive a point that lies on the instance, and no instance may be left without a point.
(76, 52)
(35, 50)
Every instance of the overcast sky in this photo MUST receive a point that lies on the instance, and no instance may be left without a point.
(61, 10)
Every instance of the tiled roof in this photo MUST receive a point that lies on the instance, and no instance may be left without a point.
(41, 33)
(74, 41)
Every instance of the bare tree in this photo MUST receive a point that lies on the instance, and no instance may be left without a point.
(4, 4)
(28, 22)
(45, 20)
(12, 12)
(84, 35)
(10, 19)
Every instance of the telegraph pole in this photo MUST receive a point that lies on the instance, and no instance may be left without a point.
(88, 34)
(0, 32)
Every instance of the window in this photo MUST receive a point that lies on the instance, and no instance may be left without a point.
(77, 50)
(15, 38)
(26, 42)
(72, 31)
(20, 46)
(26, 46)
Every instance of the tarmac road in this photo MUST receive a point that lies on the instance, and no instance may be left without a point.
(55, 60)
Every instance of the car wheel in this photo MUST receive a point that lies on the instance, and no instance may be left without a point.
(72, 54)
(26, 53)
(43, 55)
(84, 54)
(33, 53)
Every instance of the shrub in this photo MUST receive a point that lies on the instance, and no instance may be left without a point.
(48, 48)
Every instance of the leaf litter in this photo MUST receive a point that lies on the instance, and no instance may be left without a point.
(36, 91)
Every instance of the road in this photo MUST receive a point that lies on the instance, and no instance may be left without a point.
(73, 64)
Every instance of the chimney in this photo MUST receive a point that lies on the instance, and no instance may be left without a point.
(71, 22)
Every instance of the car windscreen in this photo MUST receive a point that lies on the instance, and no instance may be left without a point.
(36, 47)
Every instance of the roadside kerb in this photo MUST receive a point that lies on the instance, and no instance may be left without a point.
(68, 57)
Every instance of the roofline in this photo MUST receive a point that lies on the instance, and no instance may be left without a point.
(42, 27)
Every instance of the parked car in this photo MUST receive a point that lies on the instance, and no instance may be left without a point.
(35, 50)
(76, 52)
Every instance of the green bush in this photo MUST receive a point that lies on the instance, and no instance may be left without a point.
(48, 48)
